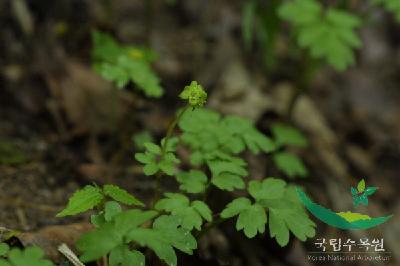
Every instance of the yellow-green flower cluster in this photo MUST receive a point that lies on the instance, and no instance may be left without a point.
(195, 94)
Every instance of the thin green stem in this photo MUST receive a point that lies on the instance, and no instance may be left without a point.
(171, 130)
(164, 146)
(211, 225)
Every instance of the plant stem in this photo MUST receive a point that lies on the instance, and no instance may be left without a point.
(171, 128)
(211, 225)
(164, 146)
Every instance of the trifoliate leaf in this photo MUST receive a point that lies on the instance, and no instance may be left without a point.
(99, 242)
(287, 214)
(123, 256)
(109, 235)
(287, 135)
(31, 256)
(290, 164)
(121, 195)
(361, 186)
(4, 248)
(328, 34)
(122, 64)
(83, 200)
(163, 237)
(269, 188)
(192, 182)
(189, 215)
(205, 132)
(155, 160)
(245, 130)
(111, 208)
(252, 217)
(228, 181)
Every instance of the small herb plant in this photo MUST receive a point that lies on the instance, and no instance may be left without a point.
(31, 256)
(175, 220)
(325, 29)
(122, 64)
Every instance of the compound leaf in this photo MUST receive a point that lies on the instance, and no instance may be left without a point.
(31, 256)
(189, 215)
(99, 242)
(164, 237)
(122, 64)
(328, 35)
(109, 235)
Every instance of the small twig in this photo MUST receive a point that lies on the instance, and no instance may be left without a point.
(69, 254)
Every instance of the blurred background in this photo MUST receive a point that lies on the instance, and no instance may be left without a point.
(66, 122)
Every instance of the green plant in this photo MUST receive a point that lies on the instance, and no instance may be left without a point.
(290, 164)
(31, 256)
(327, 32)
(325, 29)
(174, 218)
(122, 64)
